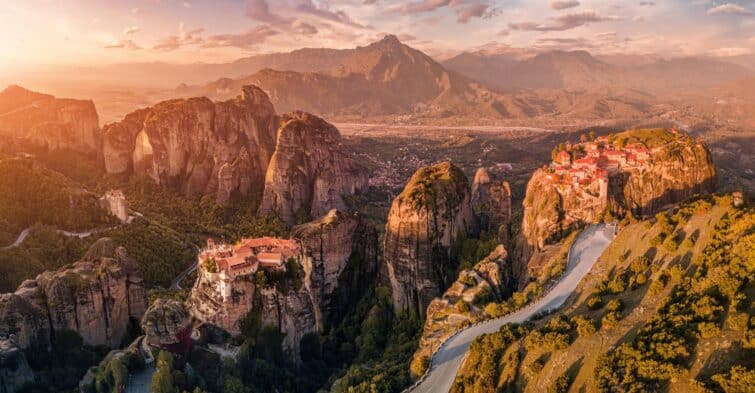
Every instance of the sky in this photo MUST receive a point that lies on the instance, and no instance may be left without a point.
(43, 33)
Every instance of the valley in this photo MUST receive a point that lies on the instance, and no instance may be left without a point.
(377, 197)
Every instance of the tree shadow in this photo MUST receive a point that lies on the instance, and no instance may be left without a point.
(722, 359)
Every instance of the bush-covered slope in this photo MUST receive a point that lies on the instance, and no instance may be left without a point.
(668, 307)
(32, 194)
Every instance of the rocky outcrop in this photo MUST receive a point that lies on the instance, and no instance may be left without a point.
(310, 171)
(677, 168)
(464, 301)
(95, 297)
(195, 145)
(292, 313)
(14, 369)
(48, 122)
(166, 324)
(425, 219)
(330, 245)
(290, 310)
(491, 202)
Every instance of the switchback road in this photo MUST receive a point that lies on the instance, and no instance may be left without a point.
(585, 251)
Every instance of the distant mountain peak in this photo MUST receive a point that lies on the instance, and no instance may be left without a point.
(390, 39)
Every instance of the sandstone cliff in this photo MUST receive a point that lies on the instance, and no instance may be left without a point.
(166, 324)
(464, 301)
(197, 146)
(95, 297)
(290, 310)
(48, 122)
(432, 211)
(310, 171)
(677, 168)
(339, 252)
(14, 369)
(491, 202)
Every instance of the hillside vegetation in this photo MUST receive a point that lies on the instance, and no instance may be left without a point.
(32, 194)
(668, 307)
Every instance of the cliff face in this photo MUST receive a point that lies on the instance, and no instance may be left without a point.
(14, 369)
(491, 202)
(292, 311)
(330, 244)
(197, 146)
(49, 122)
(464, 301)
(166, 324)
(676, 168)
(431, 212)
(310, 171)
(95, 297)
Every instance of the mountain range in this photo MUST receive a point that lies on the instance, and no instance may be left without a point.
(390, 78)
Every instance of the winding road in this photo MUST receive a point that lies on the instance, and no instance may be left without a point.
(176, 283)
(585, 251)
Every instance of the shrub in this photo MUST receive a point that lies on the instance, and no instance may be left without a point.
(640, 265)
(618, 284)
(561, 384)
(738, 321)
(594, 303)
(615, 305)
(610, 319)
(461, 307)
(671, 244)
(737, 379)
(496, 310)
(585, 326)
(420, 365)
(708, 329)
(638, 280)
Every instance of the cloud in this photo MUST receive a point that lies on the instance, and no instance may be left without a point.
(406, 37)
(730, 52)
(647, 3)
(248, 39)
(463, 15)
(130, 30)
(184, 37)
(308, 7)
(729, 9)
(504, 33)
(564, 22)
(419, 7)
(187, 4)
(123, 44)
(302, 27)
(563, 4)
(260, 10)
(136, 11)
(465, 9)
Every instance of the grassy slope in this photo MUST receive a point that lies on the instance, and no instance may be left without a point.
(639, 305)
(543, 362)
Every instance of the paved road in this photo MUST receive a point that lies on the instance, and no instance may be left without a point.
(81, 235)
(176, 283)
(21, 237)
(585, 251)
